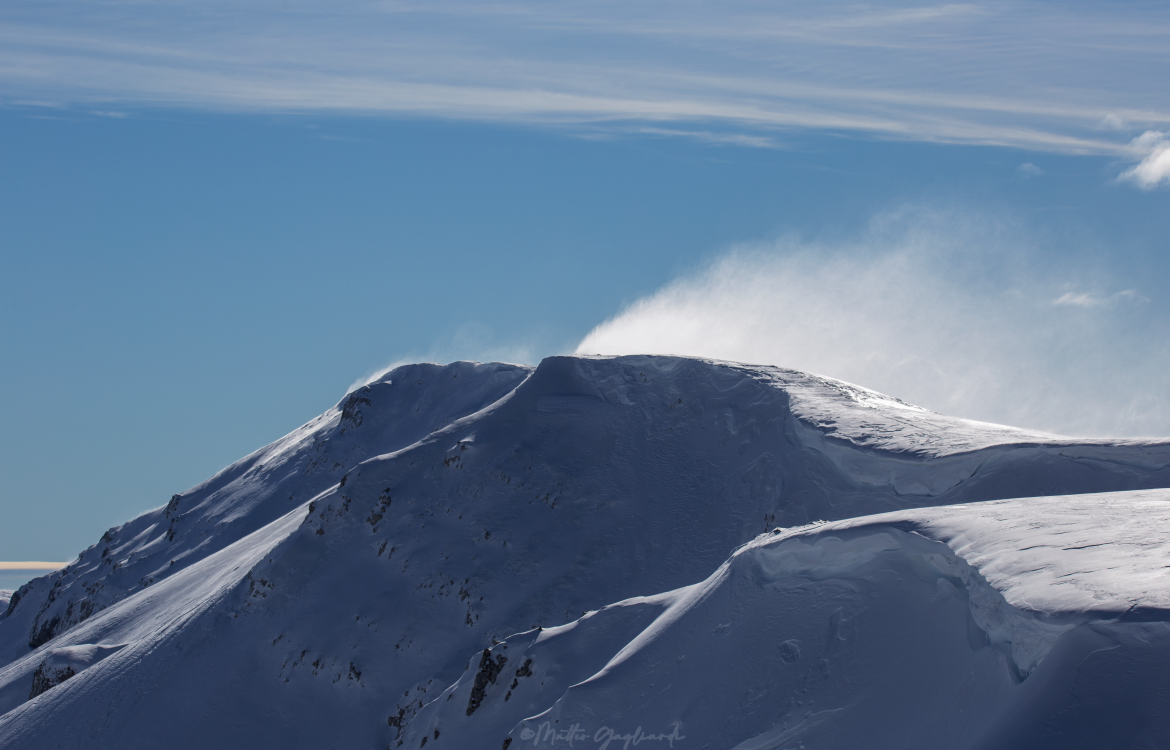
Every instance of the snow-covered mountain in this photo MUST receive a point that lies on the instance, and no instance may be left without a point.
(673, 551)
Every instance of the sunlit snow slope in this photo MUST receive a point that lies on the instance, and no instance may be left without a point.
(643, 525)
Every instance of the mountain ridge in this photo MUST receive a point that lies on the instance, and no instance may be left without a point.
(517, 498)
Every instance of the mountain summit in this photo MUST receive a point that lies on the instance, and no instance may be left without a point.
(617, 551)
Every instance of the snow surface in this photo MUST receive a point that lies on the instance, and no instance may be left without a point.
(887, 631)
(1103, 554)
(691, 553)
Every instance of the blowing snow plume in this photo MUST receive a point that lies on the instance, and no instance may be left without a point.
(962, 314)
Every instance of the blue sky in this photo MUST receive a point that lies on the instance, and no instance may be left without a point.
(217, 217)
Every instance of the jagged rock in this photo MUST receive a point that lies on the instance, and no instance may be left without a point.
(46, 677)
(489, 669)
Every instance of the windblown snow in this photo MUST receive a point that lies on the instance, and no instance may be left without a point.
(614, 552)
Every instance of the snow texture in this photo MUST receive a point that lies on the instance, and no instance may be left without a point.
(618, 551)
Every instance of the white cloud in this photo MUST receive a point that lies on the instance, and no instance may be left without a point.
(958, 313)
(1154, 168)
(736, 72)
(1078, 300)
(1088, 299)
(1111, 122)
(1028, 169)
(719, 139)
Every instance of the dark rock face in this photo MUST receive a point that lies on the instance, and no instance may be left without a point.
(351, 414)
(488, 671)
(44, 633)
(13, 601)
(46, 677)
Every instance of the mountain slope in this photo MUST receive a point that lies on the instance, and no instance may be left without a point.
(1042, 623)
(327, 587)
(382, 417)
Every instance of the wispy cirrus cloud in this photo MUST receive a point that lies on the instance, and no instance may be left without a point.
(1090, 299)
(1036, 76)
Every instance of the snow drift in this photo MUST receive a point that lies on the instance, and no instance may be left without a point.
(674, 551)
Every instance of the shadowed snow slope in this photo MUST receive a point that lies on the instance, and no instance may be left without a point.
(329, 590)
(1019, 623)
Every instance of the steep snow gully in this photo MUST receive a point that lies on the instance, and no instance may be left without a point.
(615, 552)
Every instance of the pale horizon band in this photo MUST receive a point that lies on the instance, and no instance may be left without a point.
(32, 565)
